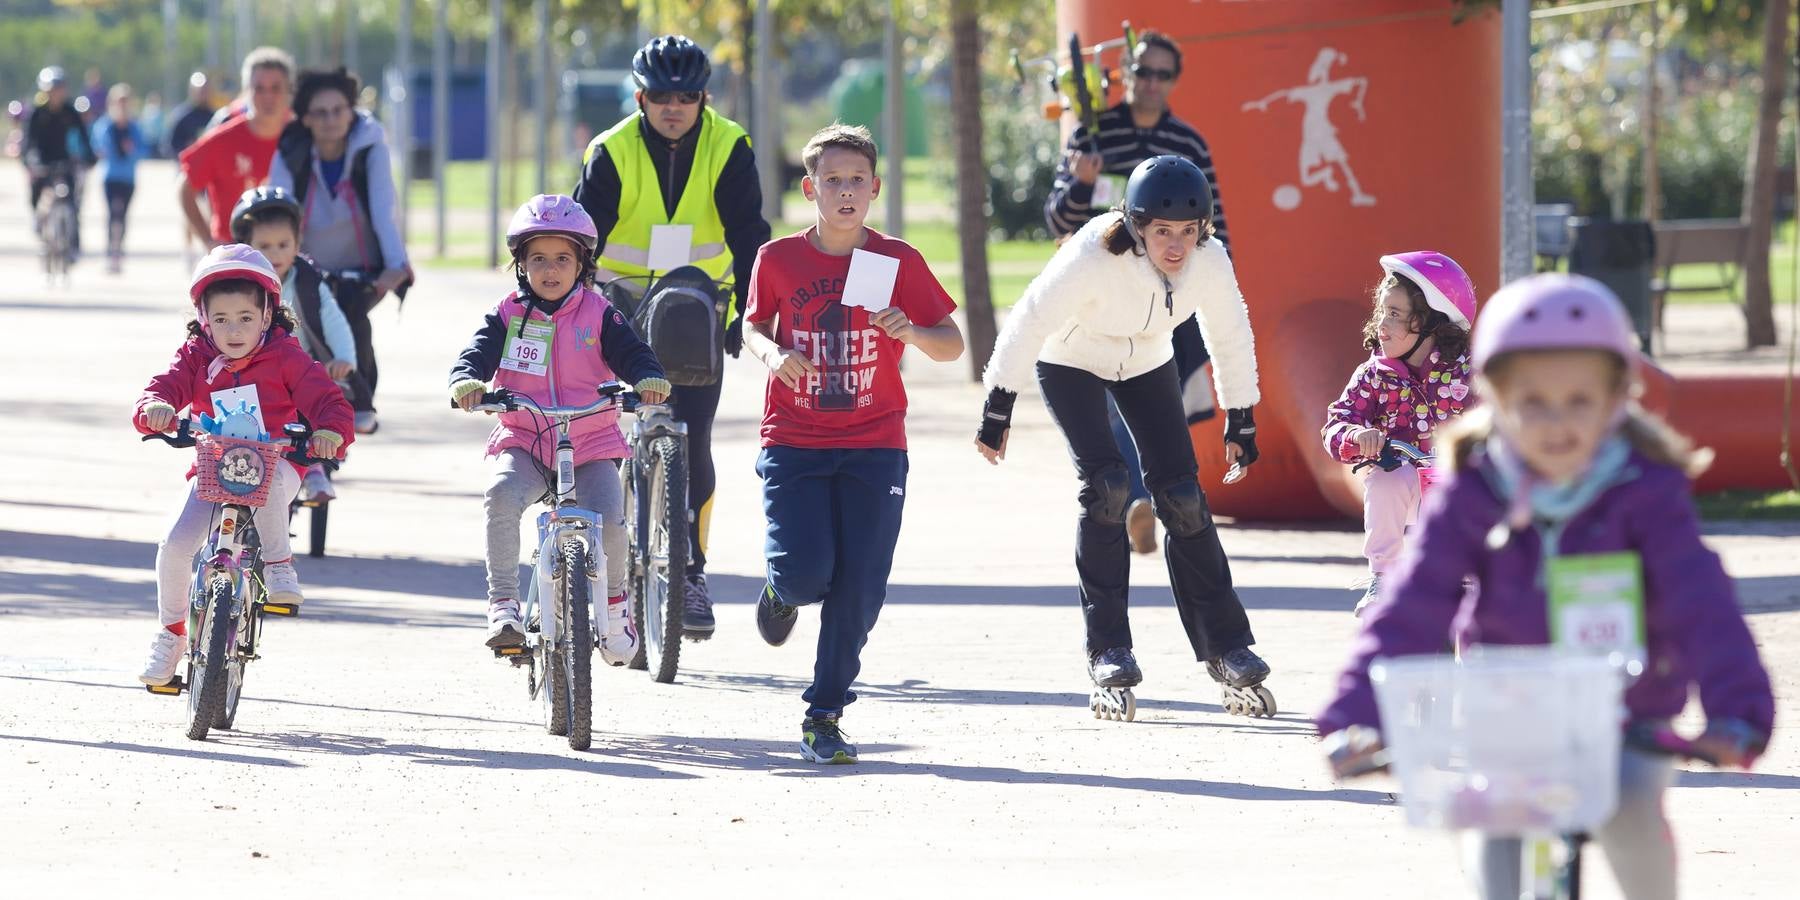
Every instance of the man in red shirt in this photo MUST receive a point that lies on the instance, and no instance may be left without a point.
(830, 311)
(235, 157)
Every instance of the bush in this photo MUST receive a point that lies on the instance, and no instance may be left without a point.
(1022, 150)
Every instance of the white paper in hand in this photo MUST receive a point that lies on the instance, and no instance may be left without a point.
(670, 246)
(870, 283)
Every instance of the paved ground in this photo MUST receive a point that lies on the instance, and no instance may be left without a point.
(380, 747)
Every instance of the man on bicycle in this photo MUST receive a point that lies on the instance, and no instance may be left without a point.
(676, 161)
(45, 149)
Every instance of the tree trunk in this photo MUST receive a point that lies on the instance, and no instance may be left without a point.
(971, 178)
(1759, 187)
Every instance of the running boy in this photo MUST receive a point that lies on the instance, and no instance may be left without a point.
(833, 458)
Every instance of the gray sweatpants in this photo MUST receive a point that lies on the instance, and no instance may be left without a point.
(517, 484)
(191, 527)
(1637, 842)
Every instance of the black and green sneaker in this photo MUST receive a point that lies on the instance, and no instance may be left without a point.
(774, 619)
(821, 741)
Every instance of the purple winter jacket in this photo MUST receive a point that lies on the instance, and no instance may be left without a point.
(1694, 632)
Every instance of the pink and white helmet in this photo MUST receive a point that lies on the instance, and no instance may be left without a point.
(1553, 312)
(1447, 287)
(228, 261)
(552, 214)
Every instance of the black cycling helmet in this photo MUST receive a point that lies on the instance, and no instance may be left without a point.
(254, 203)
(671, 63)
(1168, 187)
(51, 76)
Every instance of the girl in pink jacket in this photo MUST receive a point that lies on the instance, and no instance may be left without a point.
(555, 340)
(1416, 378)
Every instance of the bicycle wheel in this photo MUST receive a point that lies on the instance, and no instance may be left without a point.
(320, 514)
(575, 641)
(554, 688)
(62, 232)
(665, 557)
(207, 669)
(634, 559)
(243, 639)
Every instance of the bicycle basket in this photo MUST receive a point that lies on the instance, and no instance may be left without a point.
(1509, 741)
(229, 470)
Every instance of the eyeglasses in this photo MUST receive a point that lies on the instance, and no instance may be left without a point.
(664, 98)
(1145, 73)
(322, 113)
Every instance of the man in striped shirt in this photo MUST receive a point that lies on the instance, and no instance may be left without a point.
(1089, 183)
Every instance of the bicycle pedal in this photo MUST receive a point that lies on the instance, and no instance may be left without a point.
(284, 610)
(172, 689)
(512, 653)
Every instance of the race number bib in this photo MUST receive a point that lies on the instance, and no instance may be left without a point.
(528, 347)
(1597, 603)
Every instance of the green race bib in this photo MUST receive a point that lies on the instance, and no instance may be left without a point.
(528, 347)
(1597, 603)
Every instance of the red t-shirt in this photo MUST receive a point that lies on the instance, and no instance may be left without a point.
(223, 164)
(856, 401)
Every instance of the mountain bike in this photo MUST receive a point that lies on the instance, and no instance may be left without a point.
(56, 221)
(656, 522)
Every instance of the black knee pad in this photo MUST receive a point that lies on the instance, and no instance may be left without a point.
(1182, 509)
(1104, 494)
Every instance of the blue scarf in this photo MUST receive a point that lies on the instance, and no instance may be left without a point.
(1531, 500)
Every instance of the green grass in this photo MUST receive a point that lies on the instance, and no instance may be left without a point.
(1762, 505)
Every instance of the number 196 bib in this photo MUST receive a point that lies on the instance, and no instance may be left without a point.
(528, 347)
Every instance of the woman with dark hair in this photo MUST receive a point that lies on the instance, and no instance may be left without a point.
(333, 159)
(1097, 322)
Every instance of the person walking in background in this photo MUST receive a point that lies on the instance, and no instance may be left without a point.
(230, 160)
(119, 143)
(187, 121)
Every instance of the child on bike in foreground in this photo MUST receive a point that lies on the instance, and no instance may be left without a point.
(833, 459)
(1560, 474)
(240, 350)
(1416, 379)
(555, 340)
(268, 218)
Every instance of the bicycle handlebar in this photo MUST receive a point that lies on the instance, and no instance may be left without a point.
(1393, 454)
(612, 393)
(295, 433)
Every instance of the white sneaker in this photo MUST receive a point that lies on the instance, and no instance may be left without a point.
(504, 627)
(366, 423)
(165, 654)
(316, 486)
(282, 583)
(619, 642)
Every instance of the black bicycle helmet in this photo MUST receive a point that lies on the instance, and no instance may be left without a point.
(256, 201)
(1168, 187)
(671, 63)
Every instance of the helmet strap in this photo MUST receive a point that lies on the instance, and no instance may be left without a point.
(1137, 238)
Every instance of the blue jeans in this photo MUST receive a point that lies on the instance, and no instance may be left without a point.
(1127, 450)
(834, 517)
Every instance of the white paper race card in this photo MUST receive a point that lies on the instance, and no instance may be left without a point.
(528, 347)
(870, 283)
(226, 402)
(671, 247)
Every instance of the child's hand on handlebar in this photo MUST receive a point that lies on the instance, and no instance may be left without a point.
(467, 394)
(159, 417)
(339, 369)
(1355, 751)
(1729, 744)
(324, 445)
(1369, 441)
(652, 390)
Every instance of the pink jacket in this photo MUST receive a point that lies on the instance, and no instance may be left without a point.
(575, 366)
(1384, 393)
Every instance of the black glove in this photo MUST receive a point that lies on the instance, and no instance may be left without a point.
(1240, 429)
(734, 337)
(996, 417)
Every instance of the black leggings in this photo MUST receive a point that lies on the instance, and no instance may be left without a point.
(356, 297)
(696, 407)
(1150, 404)
(118, 202)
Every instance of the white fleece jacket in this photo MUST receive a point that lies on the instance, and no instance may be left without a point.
(1108, 315)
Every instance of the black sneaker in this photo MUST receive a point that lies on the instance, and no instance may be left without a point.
(1115, 668)
(1239, 668)
(775, 619)
(821, 741)
(696, 611)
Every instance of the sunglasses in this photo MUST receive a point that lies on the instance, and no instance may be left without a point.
(664, 98)
(1147, 73)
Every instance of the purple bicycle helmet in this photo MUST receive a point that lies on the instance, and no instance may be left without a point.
(553, 214)
(1553, 312)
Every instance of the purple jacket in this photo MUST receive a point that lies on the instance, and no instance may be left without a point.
(1384, 393)
(1694, 633)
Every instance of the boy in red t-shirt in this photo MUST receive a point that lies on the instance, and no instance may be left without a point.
(235, 156)
(830, 311)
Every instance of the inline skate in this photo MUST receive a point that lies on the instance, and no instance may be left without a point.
(1240, 674)
(1114, 672)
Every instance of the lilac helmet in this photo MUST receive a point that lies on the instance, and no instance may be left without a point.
(553, 214)
(1447, 287)
(234, 261)
(1553, 312)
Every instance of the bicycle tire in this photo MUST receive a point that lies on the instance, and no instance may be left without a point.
(206, 673)
(318, 523)
(237, 666)
(634, 561)
(665, 571)
(575, 637)
(553, 689)
(62, 226)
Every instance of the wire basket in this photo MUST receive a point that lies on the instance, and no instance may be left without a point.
(1509, 741)
(230, 470)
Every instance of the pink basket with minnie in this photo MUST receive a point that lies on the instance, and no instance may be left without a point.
(230, 470)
